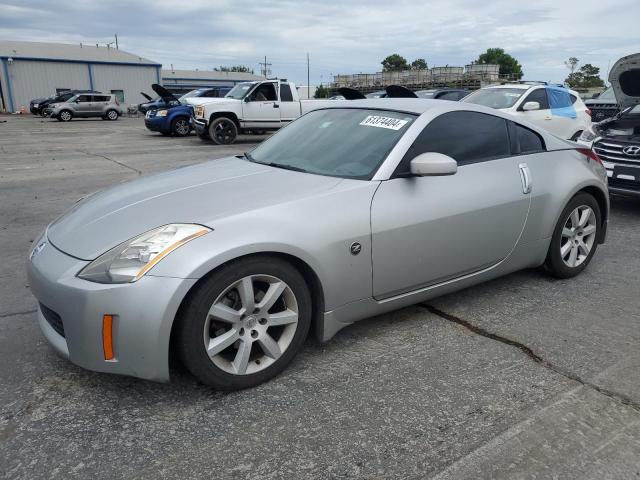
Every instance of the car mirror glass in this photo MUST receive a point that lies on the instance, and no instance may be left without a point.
(433, 164)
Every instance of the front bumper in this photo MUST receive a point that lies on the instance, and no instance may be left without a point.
(157, 124)
(143, 315)
(200, 126)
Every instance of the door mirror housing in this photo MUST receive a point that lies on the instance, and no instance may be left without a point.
(529, 106)
(433, 164)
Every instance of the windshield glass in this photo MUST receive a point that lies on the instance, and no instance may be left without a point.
(239, 91)
(495, 97)
(346, 142)
(426, 93)
(608, 95)
(192, 93)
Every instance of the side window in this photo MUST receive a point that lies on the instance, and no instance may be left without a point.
(119, 95)
(573, 98)
(285, 93)
(523, 140)
(264, 93)
(101, 98)
(449, 96)
(211, 93)
(467, 137)
(538, 95)
(84, 98)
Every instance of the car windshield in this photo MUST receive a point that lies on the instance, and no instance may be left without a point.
(608, 95)
(495, 97)
(239, 91)
(192, 93)
(345, 142)
(426, 93)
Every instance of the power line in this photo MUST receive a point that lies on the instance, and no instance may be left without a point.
(264, 68)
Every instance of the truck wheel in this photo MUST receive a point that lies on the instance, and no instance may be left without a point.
(180, 127)
(65, 116)
(223, 131)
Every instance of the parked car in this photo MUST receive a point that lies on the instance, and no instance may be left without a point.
(160, 101)
(453, 94)
(603, 106)
(557, 109)
(38, 105)
(616, 140)
(349, 212)
(86, 106)
(250, 107)
(175, 118)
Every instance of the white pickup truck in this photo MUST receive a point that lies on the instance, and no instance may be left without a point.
(250, 107)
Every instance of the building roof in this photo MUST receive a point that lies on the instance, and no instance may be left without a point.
(70, 52)
(204, 75)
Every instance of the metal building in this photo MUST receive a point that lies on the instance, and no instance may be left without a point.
(31, 70)
(182, 81)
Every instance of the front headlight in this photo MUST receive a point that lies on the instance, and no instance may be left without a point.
(588, 135)
(162, 113)
(130, 260)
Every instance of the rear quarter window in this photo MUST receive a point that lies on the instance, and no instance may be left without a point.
(524, 140)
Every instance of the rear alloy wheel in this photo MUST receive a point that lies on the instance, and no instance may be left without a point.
(223, 131)
(245, 323)
(180, 127)
(112, 115)
(575, 237)
(65, 116)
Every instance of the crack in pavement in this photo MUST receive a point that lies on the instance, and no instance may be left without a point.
(13, 314)
(139, 172)
(619, 397)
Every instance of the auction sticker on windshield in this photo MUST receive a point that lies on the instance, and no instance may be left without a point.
(384, 122)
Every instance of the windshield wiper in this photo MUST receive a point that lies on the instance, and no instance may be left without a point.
(285, 166)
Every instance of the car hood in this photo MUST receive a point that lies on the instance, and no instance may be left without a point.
(198, 194)
(163, 93)
(625, 80)
(209, 100)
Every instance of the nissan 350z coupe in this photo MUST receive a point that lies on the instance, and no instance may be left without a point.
(350, 211)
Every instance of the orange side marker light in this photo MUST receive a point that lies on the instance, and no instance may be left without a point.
(107, 336)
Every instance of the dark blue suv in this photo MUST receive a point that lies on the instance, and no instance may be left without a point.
(173, 115)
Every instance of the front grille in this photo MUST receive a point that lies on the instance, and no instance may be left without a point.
(52, 319)
(611, 151)
(600, 112)
(626, 184)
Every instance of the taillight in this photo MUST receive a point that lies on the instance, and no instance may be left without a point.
(590, 154)
(588, 111)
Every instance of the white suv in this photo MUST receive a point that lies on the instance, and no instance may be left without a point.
(556, 109)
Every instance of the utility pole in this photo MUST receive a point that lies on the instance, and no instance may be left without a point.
(308, 82)
(264, 69)
(116, 35)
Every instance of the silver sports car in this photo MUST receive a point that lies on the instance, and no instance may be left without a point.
(348, 212)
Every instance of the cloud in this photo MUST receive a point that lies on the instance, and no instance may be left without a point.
(341, 37)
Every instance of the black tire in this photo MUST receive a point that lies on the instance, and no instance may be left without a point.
(111, 115)
(554, 263)
(180, 127)
(223, 131)
(192, 319)
(65, 116)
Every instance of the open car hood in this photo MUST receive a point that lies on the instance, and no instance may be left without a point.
(351, 93)
(625, 80)
(146, 96)
(165, 94)
(398, 91)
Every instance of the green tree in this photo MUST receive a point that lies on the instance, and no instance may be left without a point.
(394, 63)
(419, 64)
(321, 92)
(508, 64)
(571, 64)
(588, 76)
(234, 68)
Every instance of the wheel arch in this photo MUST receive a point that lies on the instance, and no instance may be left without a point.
(309, 274)
(230, 115)
(602, 199)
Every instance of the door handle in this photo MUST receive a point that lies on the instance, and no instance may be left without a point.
(275, 105)
(525, 177)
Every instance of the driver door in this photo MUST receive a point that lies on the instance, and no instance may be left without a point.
(261, 108)
(83, 106)
(427, 230)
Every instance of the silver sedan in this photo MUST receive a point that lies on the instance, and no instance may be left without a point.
(350, 211)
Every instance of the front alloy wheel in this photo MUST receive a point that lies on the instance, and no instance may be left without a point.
(181, 127)
(244, 323)
(223, 131)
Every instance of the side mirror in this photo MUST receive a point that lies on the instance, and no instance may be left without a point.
(529, 106)
(433, 164)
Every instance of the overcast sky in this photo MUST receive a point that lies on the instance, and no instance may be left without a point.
(341, 36)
